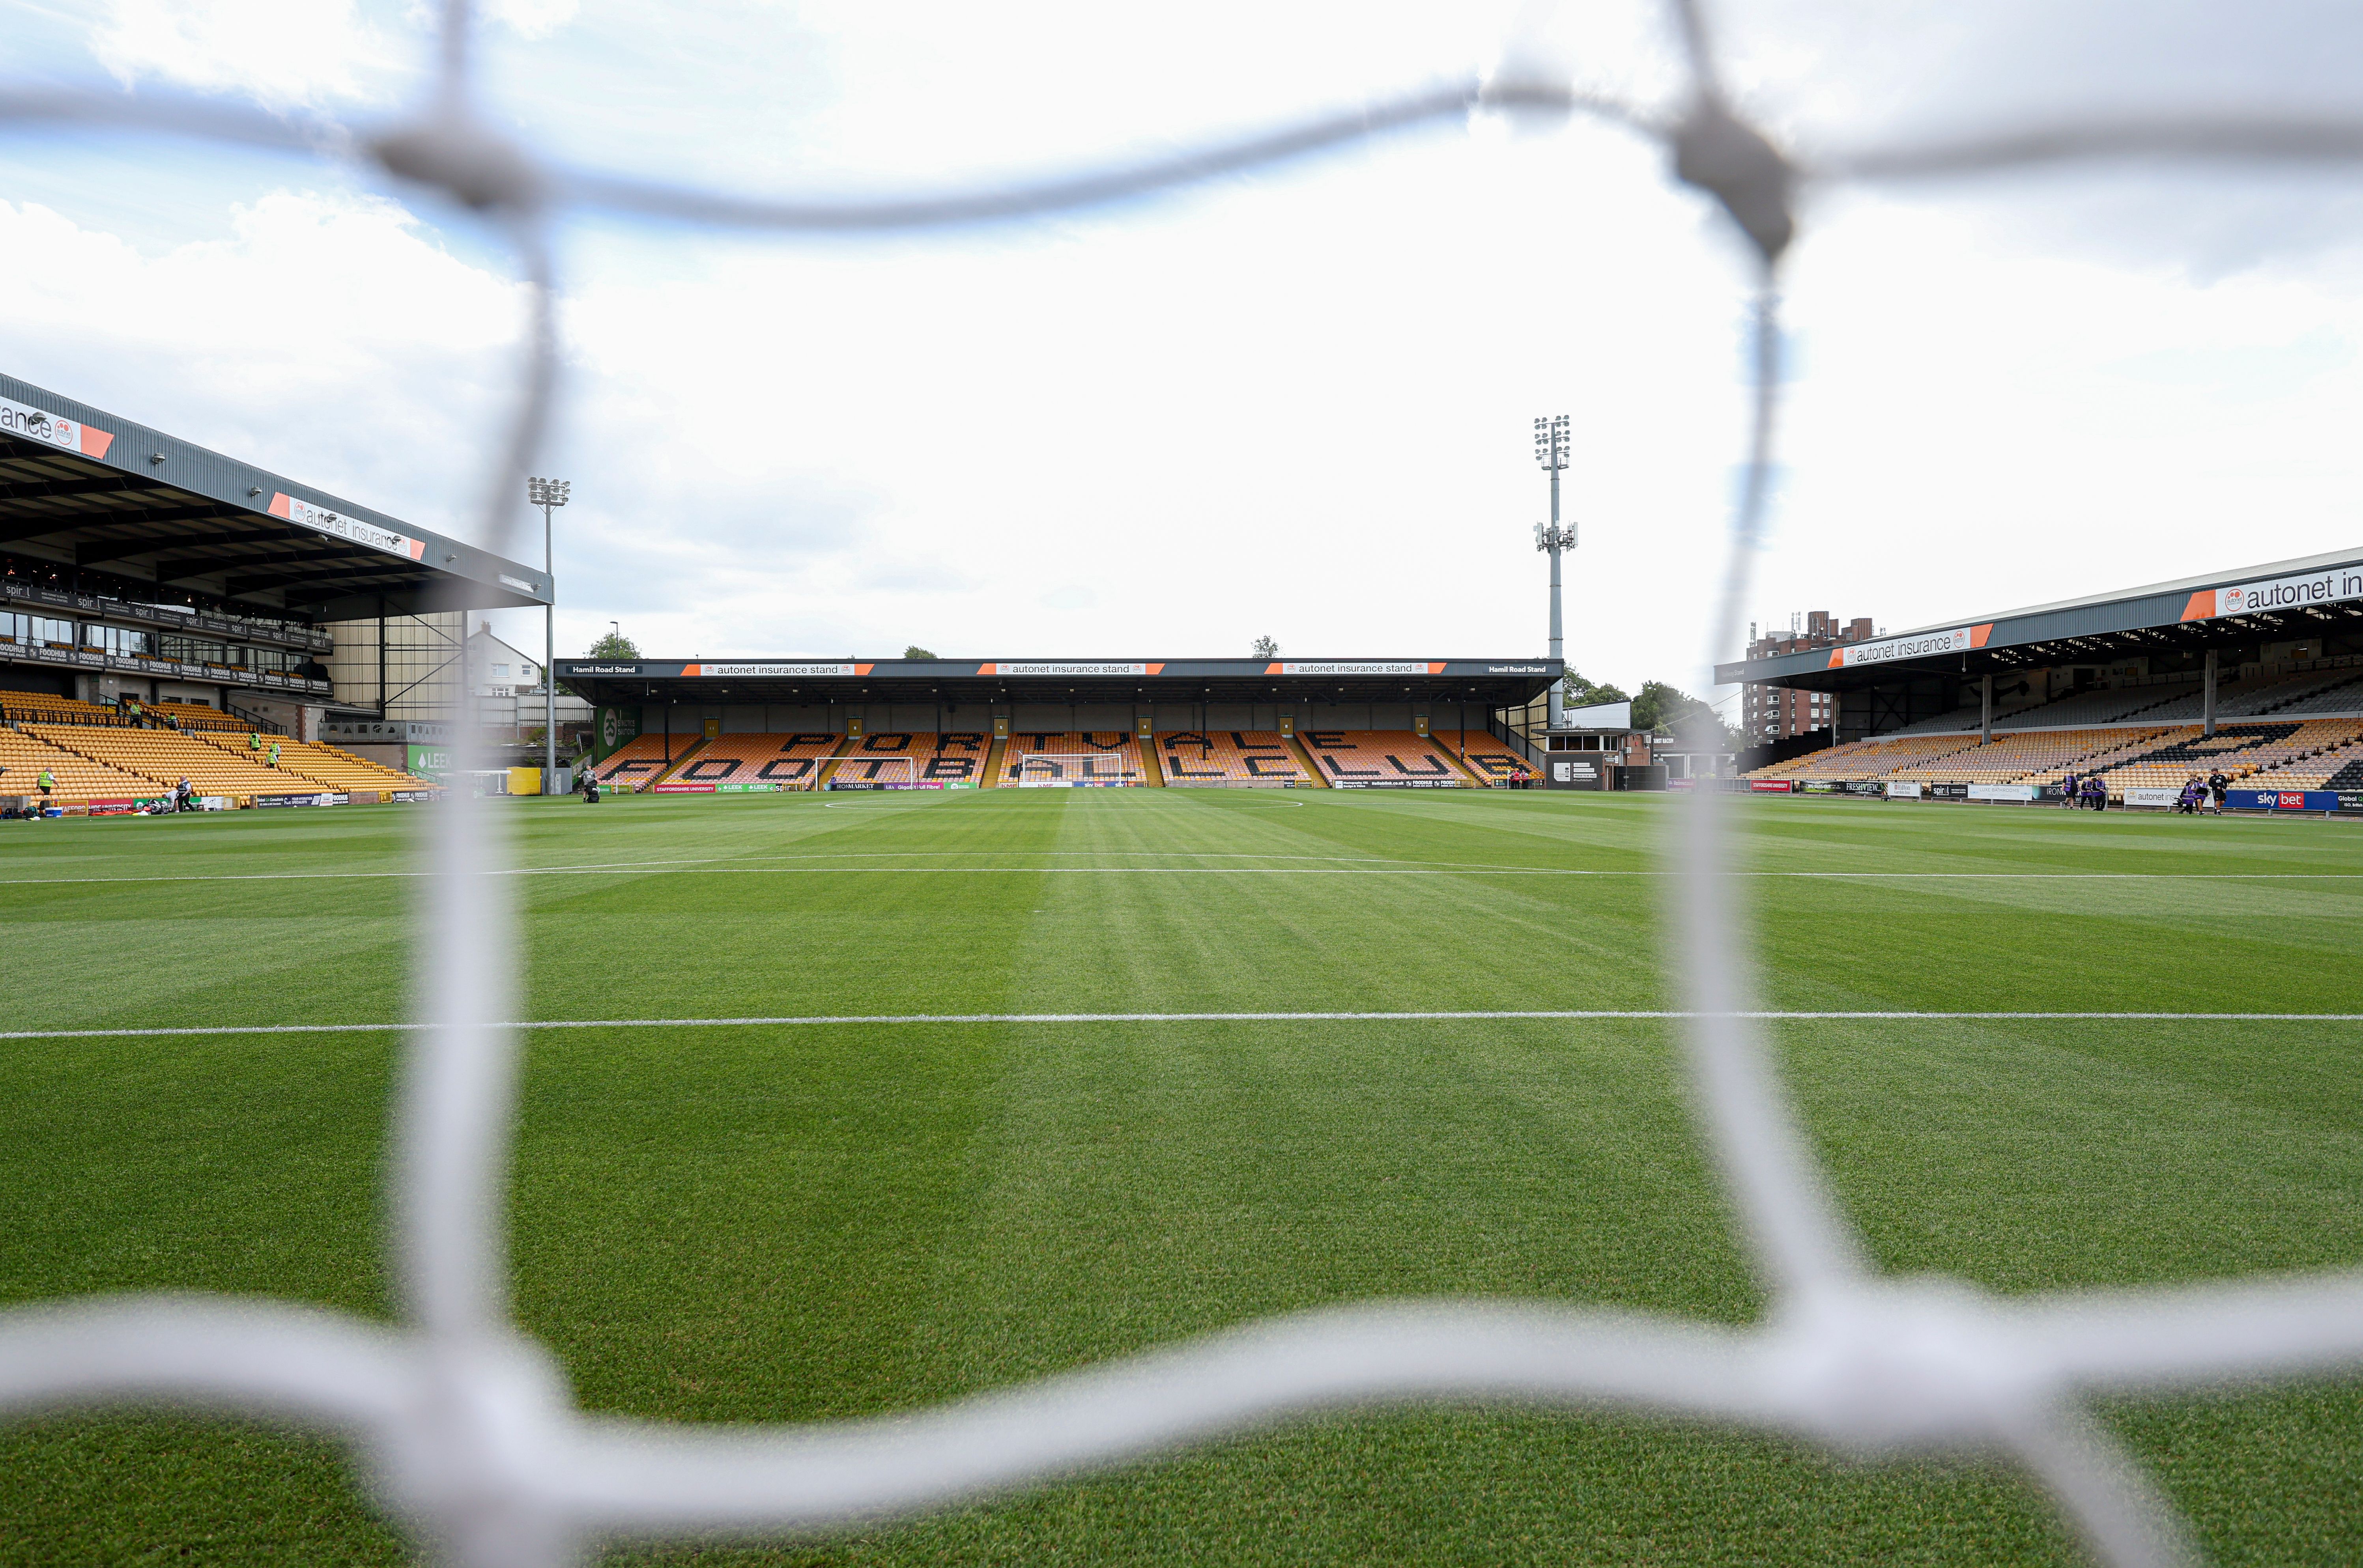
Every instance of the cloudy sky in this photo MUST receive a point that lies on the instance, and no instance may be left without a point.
(1296, 403)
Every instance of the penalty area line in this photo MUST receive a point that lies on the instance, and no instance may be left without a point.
(847, 1020)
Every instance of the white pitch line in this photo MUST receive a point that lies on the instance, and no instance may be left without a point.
(1447, 868)
(855, 1019)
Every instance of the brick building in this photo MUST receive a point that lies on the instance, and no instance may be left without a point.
(1770, 712)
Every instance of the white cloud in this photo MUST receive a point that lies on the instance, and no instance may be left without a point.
(1294, 403)
(533, 18)
(326, 336)
(284, 53)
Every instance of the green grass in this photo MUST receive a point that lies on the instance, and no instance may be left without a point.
(769, 1224)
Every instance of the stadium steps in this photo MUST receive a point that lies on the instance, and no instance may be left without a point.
(1304, 760)
(697, 744)
(1152, 773)
(828, 768)
(1469, 776)
(993, 758)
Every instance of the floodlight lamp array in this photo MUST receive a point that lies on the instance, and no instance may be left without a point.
(1551, 442)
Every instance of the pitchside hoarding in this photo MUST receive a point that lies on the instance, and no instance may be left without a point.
(2290, 800)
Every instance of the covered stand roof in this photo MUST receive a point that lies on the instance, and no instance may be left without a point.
(2310, 595)
(1495, 682)
(81, 487)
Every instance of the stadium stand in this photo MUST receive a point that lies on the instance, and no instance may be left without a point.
(2252, 699)
(2349, 776)
(1866, 758)
(904, 760)
(789, 760)
(2107, 705)
(1103, 757)
(2104, 707)
(857, 768)
(197, 716)
(1227, 758)
(2243, 751)
(80, 779)
(40, 708)
(1486, 756)
(166, 757)
(957, 757)
(2031, 755)
(1359, 759)
(338, 769)
(2339, 697)
(641, 759)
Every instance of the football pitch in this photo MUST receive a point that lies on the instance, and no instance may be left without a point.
(834, 1210)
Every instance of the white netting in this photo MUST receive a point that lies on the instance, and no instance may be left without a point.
(467, 1428)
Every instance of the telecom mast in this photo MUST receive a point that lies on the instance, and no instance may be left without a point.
(1550, 451)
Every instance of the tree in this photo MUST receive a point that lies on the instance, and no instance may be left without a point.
(1582, 693)
(1265, 648)
(1667, 711)
(614, 645)
(915, 651)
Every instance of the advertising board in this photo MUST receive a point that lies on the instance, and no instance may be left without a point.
(321, 799)
(411, 797)
(40, 425)
(1394, 783)
(2280, 593)
(1915, 645)
(1903, 789)
(1573, 770)
(1770, 786)
(1819, 786)
(2018, 793)
(1866, 787)
(2147, 796)
(676, 787)
(611, 728)
(2285, 801)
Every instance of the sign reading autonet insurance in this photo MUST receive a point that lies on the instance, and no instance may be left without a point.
(752, 670)
(2276, 593)
(38, 425)
(1395, 666)
(1918, 644)
(320, 520)
(1005, 668)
